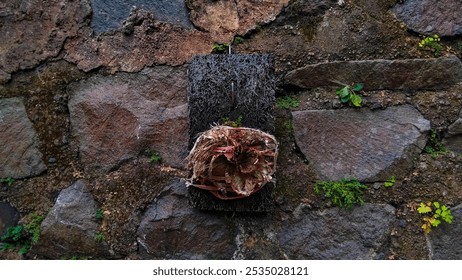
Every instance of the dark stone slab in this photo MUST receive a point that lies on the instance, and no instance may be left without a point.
(446, 240)
(71, 226)
(435, 73)
(453, 137)
(109, 14)
(231, 86)
(171, 229)
(335, 233)
(9, 216)
(442, 17)
(19, 153)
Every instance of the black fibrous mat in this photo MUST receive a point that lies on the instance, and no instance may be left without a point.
(231, 86)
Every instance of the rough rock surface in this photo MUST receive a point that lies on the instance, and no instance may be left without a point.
(19, 155)
(381, 74)
(453, 137)
(171, 229)
(431, 17)
(9, 216)
(70, 227)
(114, 118)
(109, 14)
(446, 241)
(360, 144)
(142, 41)
(32, 30)
(336, 233)
(4, 77)
(225, 19)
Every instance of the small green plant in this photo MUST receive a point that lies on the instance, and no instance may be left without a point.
(434, 146)
(344, 193)
(33, 227)
(433, 216)
(350, 94)
(390, 182)
(9, 181)
(220, 48)
(288, 125)
(99, 214)
(99, 237)
(21, 237)
(238, 40)
(287, 102)
(431, 43)
(15, 237)
(227, 121)
(155, 157)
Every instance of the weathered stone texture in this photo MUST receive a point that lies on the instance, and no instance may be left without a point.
(70, 227)
(445, 240)
(114, 118)
(110, 14)
(19, 155)
(4, 77)
(360, 144)
(453, 137)
(337, 233)
(32, 30)
(225, 19)
(171, 229)
(143, 41)
(442, 17)
(379, 74)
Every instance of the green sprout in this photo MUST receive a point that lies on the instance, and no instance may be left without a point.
(433, 216)
(432, 44)
(220, 48)
(350, 94)
(390, 182)
(343, 193)
(155, 157)
(9, 181)
(287, 102)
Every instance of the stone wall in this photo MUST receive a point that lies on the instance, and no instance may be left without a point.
(93, 91)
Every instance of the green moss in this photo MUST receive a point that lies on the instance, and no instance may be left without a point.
(344, 193)
(287, 102)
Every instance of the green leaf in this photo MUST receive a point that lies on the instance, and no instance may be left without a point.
(345, 99)
(435, 222)
(390, 182)
(356, 100)
(437, 204)
(357, 87)
(423, 208)
(343, 92)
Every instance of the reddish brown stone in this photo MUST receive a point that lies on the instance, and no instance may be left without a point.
(362, 144)
(115, 118)
(225, 19)
(32, 31)
(143, 41)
